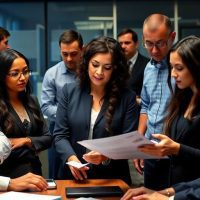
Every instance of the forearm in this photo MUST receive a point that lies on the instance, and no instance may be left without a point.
(142, 123)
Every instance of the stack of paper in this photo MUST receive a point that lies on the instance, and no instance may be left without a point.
(29, 196)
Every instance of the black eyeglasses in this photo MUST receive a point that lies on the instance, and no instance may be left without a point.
(16, 74)
(158, 44)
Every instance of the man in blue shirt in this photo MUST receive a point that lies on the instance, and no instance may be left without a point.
(71, 44)
(158, 37)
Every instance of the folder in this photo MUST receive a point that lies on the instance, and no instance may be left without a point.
(93, 191)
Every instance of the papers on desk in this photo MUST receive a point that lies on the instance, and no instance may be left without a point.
(29, 196)
(123, 146)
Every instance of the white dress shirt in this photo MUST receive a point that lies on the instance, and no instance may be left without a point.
(5, 149)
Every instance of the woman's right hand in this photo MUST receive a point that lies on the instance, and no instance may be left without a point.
(78, 174)
(139, 165)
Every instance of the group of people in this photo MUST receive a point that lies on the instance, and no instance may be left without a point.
(93, 93)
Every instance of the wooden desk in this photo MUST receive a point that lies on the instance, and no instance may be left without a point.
(62, 184)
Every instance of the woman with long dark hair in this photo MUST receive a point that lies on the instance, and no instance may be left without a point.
(181, 141)
(20, 117)
(99, 105)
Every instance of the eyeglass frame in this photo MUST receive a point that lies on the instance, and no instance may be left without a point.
(26, 72)
(156, 44)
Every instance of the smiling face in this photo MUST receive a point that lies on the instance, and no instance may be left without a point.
(14, 83)
(100, 70)
(180, 72)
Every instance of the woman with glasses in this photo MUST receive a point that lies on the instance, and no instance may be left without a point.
(20, 117)
(99, 105)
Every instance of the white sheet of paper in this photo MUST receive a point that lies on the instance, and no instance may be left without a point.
(29, 196)
(124, 146)
(76, 164)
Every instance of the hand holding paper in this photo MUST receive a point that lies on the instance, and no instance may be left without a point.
(76, 164)
(124, 146)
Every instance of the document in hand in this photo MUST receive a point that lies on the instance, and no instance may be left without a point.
(124, 146)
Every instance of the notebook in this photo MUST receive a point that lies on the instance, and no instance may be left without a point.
(93, 191)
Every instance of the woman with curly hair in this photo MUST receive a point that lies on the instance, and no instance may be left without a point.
(20, 117)
(98, 106)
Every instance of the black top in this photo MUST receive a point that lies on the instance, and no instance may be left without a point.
(24, 159)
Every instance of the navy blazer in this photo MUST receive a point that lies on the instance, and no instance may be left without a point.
(73, 124)
(137, 74)
(187, 190)
(184, 166)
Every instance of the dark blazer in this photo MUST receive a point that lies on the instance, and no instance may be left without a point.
(184, 166)
(24, 159)
(73, 124)
(187, 190)
(137, 74)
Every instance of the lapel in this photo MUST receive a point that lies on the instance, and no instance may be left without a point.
(18, 122)
(86, 102)
(102, 112)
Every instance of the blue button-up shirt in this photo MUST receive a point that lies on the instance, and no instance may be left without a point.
(54, 80)
(155, 96)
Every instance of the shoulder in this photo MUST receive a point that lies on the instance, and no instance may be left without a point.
(52, 70)
(70, 88)
(143, 58)
(128, 94)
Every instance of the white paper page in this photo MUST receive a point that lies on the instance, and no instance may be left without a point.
(76, 164)
(29, 196)
(124, 146)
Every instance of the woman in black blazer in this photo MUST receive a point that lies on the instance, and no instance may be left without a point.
(181, 141)
(99, 105)
(20, 117)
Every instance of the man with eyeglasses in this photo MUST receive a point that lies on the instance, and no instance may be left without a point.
(4, 35)
(158, 37)
(71, 44)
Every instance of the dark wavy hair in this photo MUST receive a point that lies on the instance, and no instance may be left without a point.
(7, 58)
(119, 75)
(189, 51)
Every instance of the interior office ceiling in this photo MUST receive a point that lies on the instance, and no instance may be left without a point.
(65, 14)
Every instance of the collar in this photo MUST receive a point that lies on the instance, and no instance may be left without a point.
(134, 58)
(160, 65)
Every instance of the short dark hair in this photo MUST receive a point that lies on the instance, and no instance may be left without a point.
(3, 33)
(132, 32)
(70, 36)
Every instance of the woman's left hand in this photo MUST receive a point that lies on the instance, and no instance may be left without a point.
(94, 157)
(19, 142)
(166, 146)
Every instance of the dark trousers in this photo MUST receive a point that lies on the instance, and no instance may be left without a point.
(53, 157)
(157, 173)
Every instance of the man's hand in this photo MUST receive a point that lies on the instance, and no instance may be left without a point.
(28, 182)
(139, 165)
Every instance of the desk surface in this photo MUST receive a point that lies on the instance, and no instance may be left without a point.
(62, 184)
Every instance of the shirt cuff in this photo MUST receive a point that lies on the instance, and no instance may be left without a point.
(4, 182)
(171, 198)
